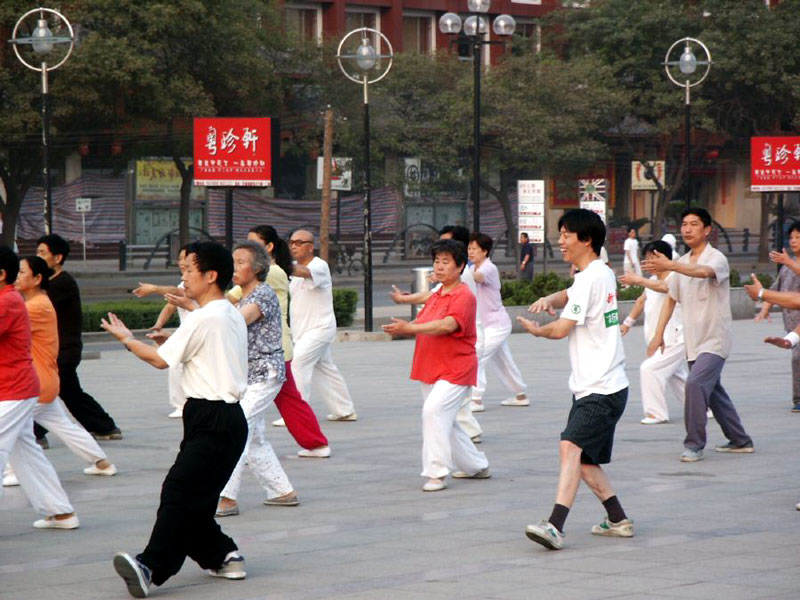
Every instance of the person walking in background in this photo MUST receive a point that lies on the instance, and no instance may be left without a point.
(525, 257)
(702, 288)
(492, 348)
(314, 329)
(32, 281)
(446, 364)
(65, 296)
(666, 368)
(19, 392)
(630, 261)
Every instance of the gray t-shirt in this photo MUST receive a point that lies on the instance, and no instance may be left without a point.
(788, 281)
(706, 305)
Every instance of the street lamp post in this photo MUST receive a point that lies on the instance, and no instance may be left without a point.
(475, 28)
(363, 64)
(42, 40)
(687, 65)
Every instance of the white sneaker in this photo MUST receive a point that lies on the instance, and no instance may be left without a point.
(10, 478)
(95, 470)
(176, 414)
(653, 421)
(53, 523)
(476, 406)
(516, 401)
(279, 423)
(321, 452)
(434, 485)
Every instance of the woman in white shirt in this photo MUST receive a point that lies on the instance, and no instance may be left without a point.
(630, 263)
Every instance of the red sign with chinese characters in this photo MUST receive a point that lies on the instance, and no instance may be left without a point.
(775, 164)
(233, 152)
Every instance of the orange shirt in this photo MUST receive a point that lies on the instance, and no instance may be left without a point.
(44, 329)
(18, 380)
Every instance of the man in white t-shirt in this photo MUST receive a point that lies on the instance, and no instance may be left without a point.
(211, 344)
(314, 329)
(702, 288)
(630, 261)
(598, 383)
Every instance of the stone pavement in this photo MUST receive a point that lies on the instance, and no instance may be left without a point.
(725, 527)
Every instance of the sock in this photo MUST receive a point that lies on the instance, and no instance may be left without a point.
(559, 516)
(614, 510)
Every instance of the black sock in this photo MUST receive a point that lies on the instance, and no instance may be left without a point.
(559, 516)
(614, 510)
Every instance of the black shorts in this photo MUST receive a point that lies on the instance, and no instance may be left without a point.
(591, 424)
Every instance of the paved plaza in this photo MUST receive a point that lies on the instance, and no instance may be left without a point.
(725, 527)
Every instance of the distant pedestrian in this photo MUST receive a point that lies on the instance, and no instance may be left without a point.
(702, 287)
(314, 329)
(19, 393)
(630, 261)
(211, 343)
(446, 364)
(598, 382)
(525, 257)
(65, 296)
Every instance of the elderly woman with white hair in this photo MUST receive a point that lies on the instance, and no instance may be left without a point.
(265, 376)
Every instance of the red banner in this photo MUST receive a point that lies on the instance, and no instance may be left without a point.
(233, 152)
(775, 164)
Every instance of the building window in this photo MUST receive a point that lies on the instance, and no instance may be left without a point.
(357, 18)
(527, 38)
(418, 34)
(304, 21)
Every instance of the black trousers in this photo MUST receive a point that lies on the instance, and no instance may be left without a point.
(86, 410)
(214, 435)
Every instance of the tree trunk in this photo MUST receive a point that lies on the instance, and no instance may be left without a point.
(502, 197)
(763, 231)
(187, 177)
(17, 178)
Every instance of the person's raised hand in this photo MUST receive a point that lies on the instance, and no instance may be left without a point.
(779, 342)
(657, 264)
(397, 294)
(754, 288)
(179, 301)
(629, 279)
(530, 326)
(116, 327)
(158, 336)
(144, 289)
(397, 327)
(781, 258)
(542, 305)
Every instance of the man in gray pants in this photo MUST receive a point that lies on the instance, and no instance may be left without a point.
(703, 289)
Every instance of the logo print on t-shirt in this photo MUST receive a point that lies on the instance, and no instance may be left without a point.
(612, 318)
(576, 309)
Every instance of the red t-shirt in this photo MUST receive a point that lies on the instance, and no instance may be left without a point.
(18, 380)
(449, 357)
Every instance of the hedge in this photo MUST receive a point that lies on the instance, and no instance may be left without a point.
(141, 314)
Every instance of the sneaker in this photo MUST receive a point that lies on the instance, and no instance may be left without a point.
(230, 511)
(95, 470)
(691, 455)
(53, 523)
(796, 408)
(9, 477)
(546, 534)
(279, 423)
(746, 448)
(608, 528)
(476, 406)
(42, 441)
(482, 474)
(114, 434)
(648, 420)
(321, 452)
(516, 401)
(476, 439)
(797, 506)
(289, 499)
(434, 485)
(136, 575)
(232, 567)
(176, 414)
(350, 417)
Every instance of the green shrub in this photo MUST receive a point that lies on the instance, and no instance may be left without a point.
(736, 280)
(519, 292)
(344, 306)
(629, 293)
(136, 314)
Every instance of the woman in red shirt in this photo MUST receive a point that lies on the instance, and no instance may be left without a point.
(447, 366)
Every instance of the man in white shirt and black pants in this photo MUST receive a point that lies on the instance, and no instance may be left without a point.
(211, 344)
(598, 382)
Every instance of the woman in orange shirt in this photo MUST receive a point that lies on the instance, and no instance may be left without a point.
(31, 282)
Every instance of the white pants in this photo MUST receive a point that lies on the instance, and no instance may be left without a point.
(18, 447)
(445, 445)
(658, 372)
(258, 453)
(176, 396)
(629, 267)
(493, 351)
(54, 416)
(313, 360)
(466, 418)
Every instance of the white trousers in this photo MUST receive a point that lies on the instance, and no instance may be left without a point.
(658, 372)
(18, 447)
(54, 416)
(466, 418)
(176, 397)
(313, 361)
(258, 453)
(629, 267)
(445, 445)
(493, 352)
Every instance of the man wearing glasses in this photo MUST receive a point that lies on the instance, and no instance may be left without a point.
(314, 328)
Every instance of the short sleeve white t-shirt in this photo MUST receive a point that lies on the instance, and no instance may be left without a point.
(595, 343)
(653, 302)
(211, 344)
(631, 247)
(490, 304)
(311, 305)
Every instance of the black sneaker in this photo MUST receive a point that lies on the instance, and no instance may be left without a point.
(114, 434)
(232, 568)
(136, 575)
(746, 448)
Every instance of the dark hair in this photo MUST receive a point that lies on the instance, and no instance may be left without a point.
(9, 262)
(527, 237)
(185, 248)
(211, 256)
(452, 247)
(259, 259)
(56, 244)
(588, 226)
(458, 232)
(39, 266)
(659, 246)
(704, 215)
(795, 226)
(280, 249)
(632, 228)
(484, 241)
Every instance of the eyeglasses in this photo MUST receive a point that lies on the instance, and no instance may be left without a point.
(299, 242)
